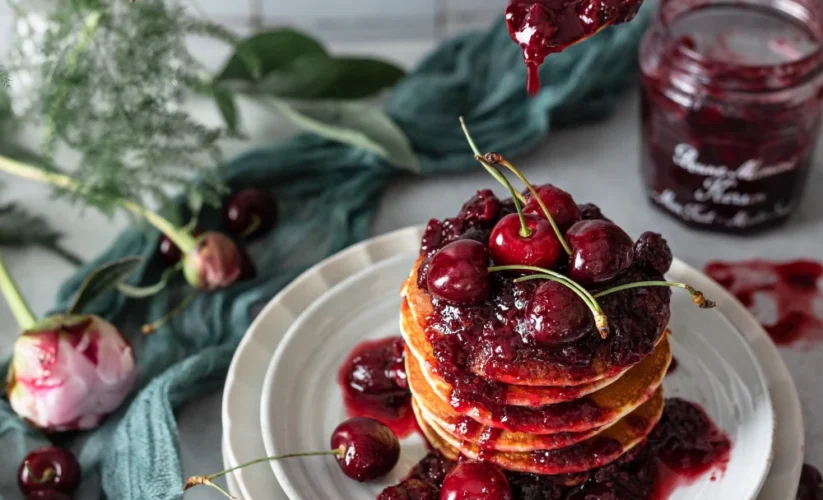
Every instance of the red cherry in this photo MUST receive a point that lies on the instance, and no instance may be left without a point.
(476, 481)
(651, 250)
(459, 273)
(600, 251)
(371, 449)
(556, 315)
(482, 208)
(508, 247)
(49, 469)
(561, 205)
(250, 213)
(168, 251)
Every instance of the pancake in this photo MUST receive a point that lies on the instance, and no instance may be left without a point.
(592, 453)
(596, 410)
(637, 319)
(515, 395)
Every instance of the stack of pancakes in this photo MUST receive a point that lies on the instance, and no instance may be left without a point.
(554, 421)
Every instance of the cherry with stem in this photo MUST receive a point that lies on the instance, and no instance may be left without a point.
(490, 159)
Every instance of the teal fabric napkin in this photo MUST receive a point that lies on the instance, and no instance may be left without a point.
(327, 194)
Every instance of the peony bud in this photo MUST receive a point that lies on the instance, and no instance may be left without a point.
(69, 372)
(216, 262)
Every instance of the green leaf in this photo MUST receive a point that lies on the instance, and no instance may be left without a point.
(356, 123)
(225, 103)
(323, 77)
(263, 53)
(101, 280)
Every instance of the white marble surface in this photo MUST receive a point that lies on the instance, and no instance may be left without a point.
(595, 163)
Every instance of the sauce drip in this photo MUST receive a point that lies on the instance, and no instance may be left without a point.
(793, 289)
(373, 381)
(543, 27)
(684, 446)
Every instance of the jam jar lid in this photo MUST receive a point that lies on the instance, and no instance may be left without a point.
(748, 46)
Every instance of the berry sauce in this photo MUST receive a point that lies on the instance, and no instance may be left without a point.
(685, 445)
(373, 381)
(544, 27)
(491, 337)
(792, 290)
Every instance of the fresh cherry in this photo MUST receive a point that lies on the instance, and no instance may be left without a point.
(370, 449)
(508, 246)
(561, 206)
(49, 469)
(47, 495)
(556, 315)
(600, 251)
(250, 213)
(169, 252)
(476, 481)
(458, 273)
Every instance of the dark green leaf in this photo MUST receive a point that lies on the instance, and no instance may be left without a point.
(323, 77)
(225, 103)
(272, 50)
(357, 123)
(101, 280)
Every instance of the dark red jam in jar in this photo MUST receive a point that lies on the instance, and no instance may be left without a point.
(731, 109)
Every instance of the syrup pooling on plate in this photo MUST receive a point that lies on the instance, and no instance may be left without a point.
(543, 27)
(684, 445)
(794, 290)
(373, 381)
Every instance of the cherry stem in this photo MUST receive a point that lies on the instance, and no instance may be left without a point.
(697, 296)
(19, 308)
(497, 159)
(256, 221)
(493, 171)
(182, 238)
(150, 328)
(525, 232)
(207, 480)
(48, 474)
(600, 319)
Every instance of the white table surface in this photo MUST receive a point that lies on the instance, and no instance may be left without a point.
(604, 171)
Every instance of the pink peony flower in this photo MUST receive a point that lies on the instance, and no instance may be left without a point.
(215, 263)
(70, 372)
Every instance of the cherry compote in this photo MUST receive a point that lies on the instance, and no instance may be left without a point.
(458, 273)
(49, 469)
(373, 381)
(600, 251)
(509, 246)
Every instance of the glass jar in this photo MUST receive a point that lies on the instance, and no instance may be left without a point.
(731, 103)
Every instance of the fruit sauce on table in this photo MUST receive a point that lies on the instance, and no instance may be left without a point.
(793, 289)
(544, 27)
(731, 109)
(685, 445)
(490, 333)
(373, 381)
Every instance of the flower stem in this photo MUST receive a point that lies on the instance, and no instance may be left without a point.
(600, 319)
(185, 241)
(697, 296)
(497, 159)
(150, 328)
(21, 311)
(491, 170)
(207, 480)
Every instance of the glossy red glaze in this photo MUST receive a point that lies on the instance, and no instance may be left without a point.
(475, 481)
(792, 288)
(373, 381)
(543, 27)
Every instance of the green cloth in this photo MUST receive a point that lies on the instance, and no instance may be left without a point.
(327, 194)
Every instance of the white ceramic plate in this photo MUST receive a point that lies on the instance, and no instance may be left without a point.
(246, 376)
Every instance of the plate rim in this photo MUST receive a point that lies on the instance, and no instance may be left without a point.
(766, 355)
